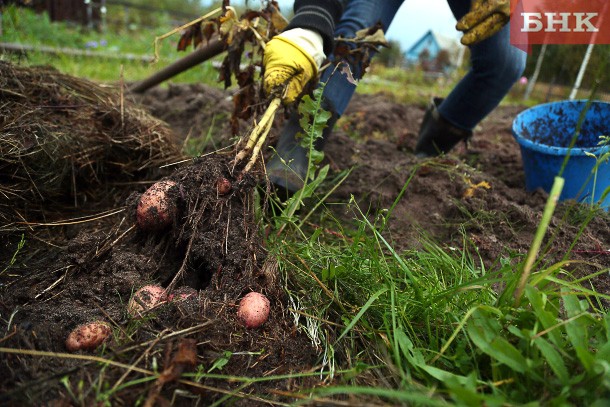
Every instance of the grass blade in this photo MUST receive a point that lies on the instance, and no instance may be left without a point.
(484, 330)
(364, 308)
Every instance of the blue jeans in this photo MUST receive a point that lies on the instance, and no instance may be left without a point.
(495, 65)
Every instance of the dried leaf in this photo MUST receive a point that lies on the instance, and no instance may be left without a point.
(227, 23)
(277, 20)
(186, 39)
(208, 29)
(186, 353)
(185, 357)
(373, 36)
(469, 193)
(345, 70)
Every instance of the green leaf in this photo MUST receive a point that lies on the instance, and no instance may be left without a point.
(577, 329)
(413, 356)
(554, 359)
(221, 361)
(484, 331)
(538, 301)
(604, 352)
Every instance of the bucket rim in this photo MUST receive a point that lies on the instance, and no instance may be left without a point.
(554, 150)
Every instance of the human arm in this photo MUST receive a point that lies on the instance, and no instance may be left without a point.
(293, 57)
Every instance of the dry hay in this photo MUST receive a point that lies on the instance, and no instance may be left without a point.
(66, 142)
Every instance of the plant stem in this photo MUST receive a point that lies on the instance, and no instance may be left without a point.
(549, 209)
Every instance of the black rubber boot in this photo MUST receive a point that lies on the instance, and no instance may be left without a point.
(436, 135)
(288, 167)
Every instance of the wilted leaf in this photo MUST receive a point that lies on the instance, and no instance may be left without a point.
(186, 39)
(345, 70)
(372, 36)
(469, 193)
(208, 29)
(277, 19)
(227, 22)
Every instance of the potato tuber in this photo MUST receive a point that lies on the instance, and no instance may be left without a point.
(253, 310)
(223, 186)
(88, 336)
(146, 298)
(156, 209)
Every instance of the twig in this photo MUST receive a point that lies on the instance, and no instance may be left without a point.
(9, 335)
(124, 376)
(147, 372)
(182, 27)
(75, 221)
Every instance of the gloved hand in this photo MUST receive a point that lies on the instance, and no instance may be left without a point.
(292, 59)
(486, 17)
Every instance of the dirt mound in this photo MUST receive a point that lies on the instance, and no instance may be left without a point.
(66, 142)
(86, 268)
(214, 246)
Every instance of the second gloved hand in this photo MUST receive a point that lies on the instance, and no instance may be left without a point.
(486, 17)
(292, 59)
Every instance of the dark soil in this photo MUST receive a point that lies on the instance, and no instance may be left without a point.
(80, 272)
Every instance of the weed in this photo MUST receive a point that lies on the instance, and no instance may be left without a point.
(13, 259)
(434, 325)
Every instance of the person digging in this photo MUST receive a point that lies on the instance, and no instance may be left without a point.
(293, 58)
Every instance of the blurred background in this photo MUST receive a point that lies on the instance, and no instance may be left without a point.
(104, 39)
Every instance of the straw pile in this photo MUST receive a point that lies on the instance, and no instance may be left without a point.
(66, 141)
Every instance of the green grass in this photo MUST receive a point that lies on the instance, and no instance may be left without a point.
(418, 87)
(25, 27)
(434, 326)
(432, 322)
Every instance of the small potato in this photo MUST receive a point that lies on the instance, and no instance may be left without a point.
(156, 209)
(253, 310)
(146, 298)
(88, 336)
(223, 186)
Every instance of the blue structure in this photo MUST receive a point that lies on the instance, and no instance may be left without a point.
(430, 45)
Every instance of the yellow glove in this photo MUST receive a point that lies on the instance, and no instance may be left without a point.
(486, 17)
(292, 59)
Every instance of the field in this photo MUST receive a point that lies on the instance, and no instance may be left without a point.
(392, 280)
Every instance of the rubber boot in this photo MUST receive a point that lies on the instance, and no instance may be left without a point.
(436, 135)
(288, 167)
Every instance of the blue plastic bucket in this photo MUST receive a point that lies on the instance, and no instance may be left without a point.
(544, 133)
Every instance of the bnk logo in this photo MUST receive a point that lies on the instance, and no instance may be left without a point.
(564, 22)
(559, 22)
